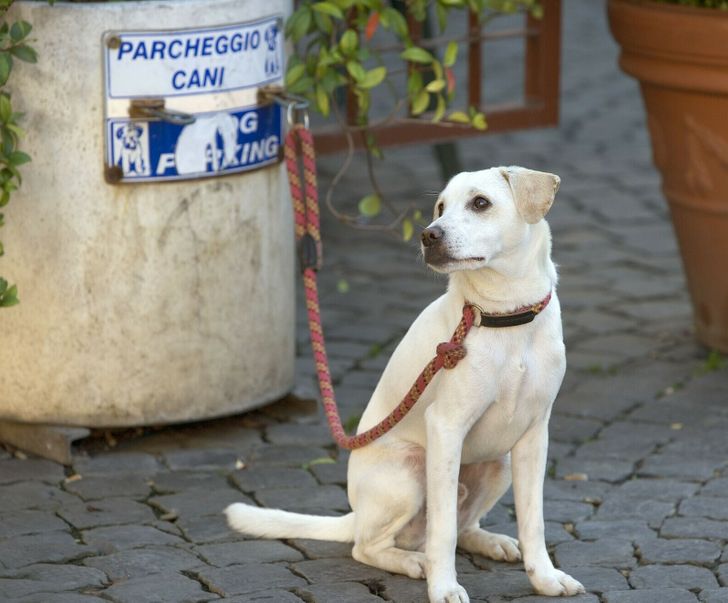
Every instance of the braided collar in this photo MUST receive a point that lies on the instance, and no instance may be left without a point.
(520, 316)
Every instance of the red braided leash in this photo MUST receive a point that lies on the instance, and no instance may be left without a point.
(305, 205)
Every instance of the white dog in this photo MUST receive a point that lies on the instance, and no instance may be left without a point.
(420, 491)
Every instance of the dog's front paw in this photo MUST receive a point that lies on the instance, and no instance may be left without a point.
(449, 593)
(555, 583)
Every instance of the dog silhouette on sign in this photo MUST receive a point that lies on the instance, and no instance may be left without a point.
(272, 60)
(131, 150)
(198, 149)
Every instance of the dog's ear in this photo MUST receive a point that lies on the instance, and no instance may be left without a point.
(533, 192)
(120, 133)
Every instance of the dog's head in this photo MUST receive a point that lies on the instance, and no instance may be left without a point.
(481, 215)
(130, 135)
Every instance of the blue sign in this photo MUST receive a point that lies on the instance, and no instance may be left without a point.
(216, 143)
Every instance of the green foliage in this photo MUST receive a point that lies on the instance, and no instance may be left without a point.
(13, 46)
(335, 51)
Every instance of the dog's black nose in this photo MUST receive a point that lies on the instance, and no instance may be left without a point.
(431, 235)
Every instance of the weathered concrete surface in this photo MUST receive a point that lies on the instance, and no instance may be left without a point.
(137, 300)
(638, 477)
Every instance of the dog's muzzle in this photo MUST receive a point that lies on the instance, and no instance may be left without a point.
(433, 247)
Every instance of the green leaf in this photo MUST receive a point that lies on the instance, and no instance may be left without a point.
(414, 83)
(451, 54)
(6, 110)
(420, 102)
(327, 8)
(373, 77)
(370, 205)
(478, 122)
(435, 86)
(6, 63)
(322, 460)
(342, 286)
(349, 42)
(459, 117)
(18, 158)
(295, 73)
(305, 84)
(297, 26)
(414, 54)
(24, 53)
(322, 100)
(356, 70)
(10, 297)
(408, 229)
(19, 30)
(441, 12)
(393, 19)
(3, 285)
(440, 110)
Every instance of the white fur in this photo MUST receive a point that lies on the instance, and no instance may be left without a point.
(421, 490)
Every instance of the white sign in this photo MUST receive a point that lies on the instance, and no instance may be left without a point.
(201, 61)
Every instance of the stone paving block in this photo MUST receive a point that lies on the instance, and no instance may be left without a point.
(587, 491)
(714, 595)
(572, 429)
(337, 570)
(404, 590)
(262, 478)
(200, 459)
(483, 585)
(716, 487)
(599, 579)
(30, 469)
(322, 549)
(112, 511)
(306, 500)
(688, 577)
(682, 467)
(51, 547)
(651, 511)
(59, 598)
(284, 456)
(584, 598)
(611, 470)
(605, 551)
(656, 595)
(694, 527)
(169, 586)
(352, 592)
(723, 574)
(135, 463)
(198, 503)
(249, 551)
(554, 531)
(697, 552)
(624, 529)
(119, 538)
(33, 495)
(172, 482)
(656, 489)
(17, 523)
(48, 578)
(208, 528)
(287, 434)
(248, 578)
(330, 473)
(566, 510)
(265, 596)
(704, 506)
(96, 487)
(137, 563)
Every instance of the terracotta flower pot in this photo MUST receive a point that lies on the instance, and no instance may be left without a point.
(680, 56)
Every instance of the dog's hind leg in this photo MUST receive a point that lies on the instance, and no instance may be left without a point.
(388, 497)
(485, 484)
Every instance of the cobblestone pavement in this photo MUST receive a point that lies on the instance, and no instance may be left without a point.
(637, 495)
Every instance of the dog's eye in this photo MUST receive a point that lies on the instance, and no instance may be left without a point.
(440, 209)
(481, 203)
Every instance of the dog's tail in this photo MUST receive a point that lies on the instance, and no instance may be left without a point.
(274, 523)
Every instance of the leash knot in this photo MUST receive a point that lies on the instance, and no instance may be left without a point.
(450, 353)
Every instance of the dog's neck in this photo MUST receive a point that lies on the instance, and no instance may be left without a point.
(521, 277)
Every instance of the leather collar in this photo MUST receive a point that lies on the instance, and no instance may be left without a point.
(520, 316)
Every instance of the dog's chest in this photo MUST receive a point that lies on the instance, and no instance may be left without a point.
(523, 382)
